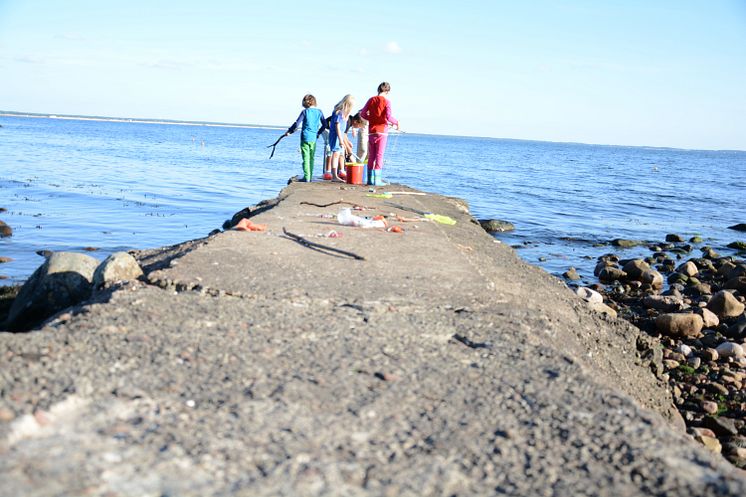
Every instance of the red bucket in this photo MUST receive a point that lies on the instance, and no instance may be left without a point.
(354, 172)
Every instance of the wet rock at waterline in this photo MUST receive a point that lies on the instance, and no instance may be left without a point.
(5, 230)
(738, 227)
(119, 266)
(571, 274)
(496, 225)
(62, 281)
(589, 295)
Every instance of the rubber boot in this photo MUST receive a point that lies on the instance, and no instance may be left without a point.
(369, 174)
(377, 178)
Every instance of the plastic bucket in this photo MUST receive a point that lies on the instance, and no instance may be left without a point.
(354, 172)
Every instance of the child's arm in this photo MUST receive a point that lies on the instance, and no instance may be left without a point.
(364, 111)
(389, 118)
(293, 127)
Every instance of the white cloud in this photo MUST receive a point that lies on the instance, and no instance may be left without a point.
(393, 47)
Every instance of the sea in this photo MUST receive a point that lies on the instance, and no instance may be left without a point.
(79, 185)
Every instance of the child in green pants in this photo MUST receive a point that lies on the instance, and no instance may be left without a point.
(309, 120)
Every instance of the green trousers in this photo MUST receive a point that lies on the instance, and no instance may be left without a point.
(307, 152)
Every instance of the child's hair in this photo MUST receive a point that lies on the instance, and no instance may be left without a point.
(345, 105)
(309, 101)
(384, 87)
(358, 119)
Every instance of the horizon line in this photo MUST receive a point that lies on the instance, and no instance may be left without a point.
(180, 122)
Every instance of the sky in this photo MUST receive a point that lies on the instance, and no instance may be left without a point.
(668, 73)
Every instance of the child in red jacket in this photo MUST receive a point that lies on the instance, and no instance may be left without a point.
(377, 111)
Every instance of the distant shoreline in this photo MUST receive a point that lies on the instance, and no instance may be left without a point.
(135, 120)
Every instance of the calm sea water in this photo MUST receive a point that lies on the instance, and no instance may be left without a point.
(69, 184)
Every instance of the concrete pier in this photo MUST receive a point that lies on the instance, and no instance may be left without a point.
(429, 362)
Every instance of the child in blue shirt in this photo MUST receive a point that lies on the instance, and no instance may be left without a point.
(338, 142)
(310, 121)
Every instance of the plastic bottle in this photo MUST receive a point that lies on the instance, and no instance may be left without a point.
(347, 218)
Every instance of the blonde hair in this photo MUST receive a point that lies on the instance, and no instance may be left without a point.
(345, 105)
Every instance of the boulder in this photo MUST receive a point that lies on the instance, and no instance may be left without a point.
(730, 349)
(62, 281)
(571, 274)
(737, 245)
(5, 230)
(589, 295)
(680, 325)
(738, 227)
(671, 237)
(496, 225)
(610, 273)
(635, 268)
(667, 303)
(652, 277)
(725, 305)
(622, 243)
(709, 318)
(737, 283)
(688, 269)
(737, 329)
(696, 239)
(603, 263)
(119, 266)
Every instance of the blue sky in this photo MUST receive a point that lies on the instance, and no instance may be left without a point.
(658, 73)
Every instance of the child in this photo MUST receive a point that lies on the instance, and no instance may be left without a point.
(310, 120)
(359, 126)
(377, 111)
(338, 142)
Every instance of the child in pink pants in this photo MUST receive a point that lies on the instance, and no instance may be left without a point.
(377, 111)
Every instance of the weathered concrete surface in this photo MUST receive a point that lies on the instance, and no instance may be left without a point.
(252, 365)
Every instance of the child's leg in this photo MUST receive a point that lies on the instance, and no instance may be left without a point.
(372, 153)
(306, 154)
(313, 156)
(334, 162)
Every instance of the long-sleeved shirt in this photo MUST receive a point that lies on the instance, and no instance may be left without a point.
(310, 121)
(377, 111)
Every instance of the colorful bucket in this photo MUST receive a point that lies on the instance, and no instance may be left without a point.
(354, 172)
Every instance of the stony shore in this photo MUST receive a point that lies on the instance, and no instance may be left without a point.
(428, 361)
(691, 299)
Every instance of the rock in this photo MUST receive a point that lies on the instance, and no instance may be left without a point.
(589, 295)
(62, 281)
(603, 309)
(684, 349)
(652, 278)
(635, 268)
(665, 303)
(5, 230)
(725, 305)
(730, 349)
(737, 245)
(702, 432)
(709, 318)
(737, 283)
(3, 260)
(710, 354)
(721, 425)
(621, 242)
(571, 274)
(725, 269)
(709, 406)
(496, 225)
(694, 362)
(680, 325)
(674, 278)
(737, 456)
(688, 269)
(610, 273)
(737, 329)
(119, 266)
(711, 443)
(696, 239)
(710, 253)
(671, 364)
(674, 238)
(738, 227)
(717, 389)
(604, 264)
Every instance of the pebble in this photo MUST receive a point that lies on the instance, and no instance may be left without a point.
(694, 362)
(6, 415)
(711, 443)
(709, 406)
(684, 349)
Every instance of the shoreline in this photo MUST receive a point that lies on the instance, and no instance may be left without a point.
(437, 347)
